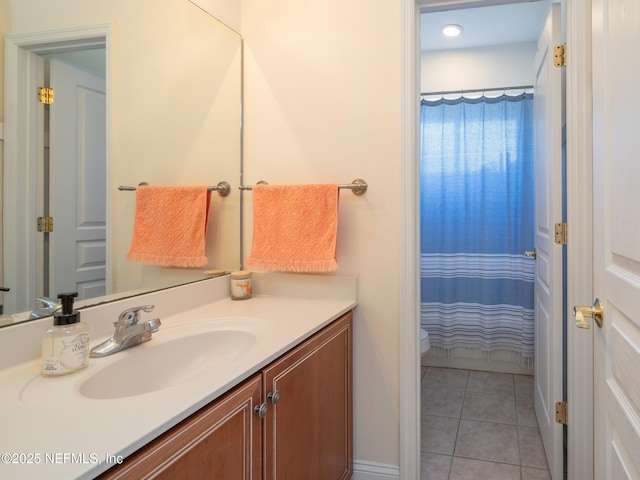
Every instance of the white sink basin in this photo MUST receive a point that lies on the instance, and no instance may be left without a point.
(167, 364)
(176, 354)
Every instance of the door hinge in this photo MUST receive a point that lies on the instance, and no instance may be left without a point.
(560, 55)
(46, 95)
(45, 224)
(561, 413)
(561, 233)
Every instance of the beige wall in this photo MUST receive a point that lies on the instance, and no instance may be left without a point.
(4, 15)
(227, 11)
(485, 67)
(322, 104)
(4, 19)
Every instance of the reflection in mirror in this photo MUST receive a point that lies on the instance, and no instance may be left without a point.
(165, 110)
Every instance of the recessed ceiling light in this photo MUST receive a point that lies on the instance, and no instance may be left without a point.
(452, 30)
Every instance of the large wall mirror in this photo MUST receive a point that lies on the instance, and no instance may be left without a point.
(155, 97)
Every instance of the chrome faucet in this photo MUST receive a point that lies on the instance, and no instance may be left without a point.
(129, 332)
(48, 306)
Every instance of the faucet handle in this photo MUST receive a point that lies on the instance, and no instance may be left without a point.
(47, 302)
(131, 315)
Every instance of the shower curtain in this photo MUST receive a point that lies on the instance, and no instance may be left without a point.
(476, 223)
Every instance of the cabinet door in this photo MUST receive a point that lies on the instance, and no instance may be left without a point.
(308, 432)
(220, 441)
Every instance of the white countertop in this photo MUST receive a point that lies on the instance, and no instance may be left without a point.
(50, 430)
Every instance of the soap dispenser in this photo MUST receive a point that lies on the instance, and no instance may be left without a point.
(65, 346)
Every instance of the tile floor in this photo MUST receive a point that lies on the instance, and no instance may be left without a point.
(479, 426)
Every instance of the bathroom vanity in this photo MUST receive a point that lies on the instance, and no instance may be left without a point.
(259, 388)
(292, 419)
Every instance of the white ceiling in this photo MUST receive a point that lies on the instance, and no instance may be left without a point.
(496, 25)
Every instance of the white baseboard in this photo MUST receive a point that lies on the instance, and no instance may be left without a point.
(363, 470)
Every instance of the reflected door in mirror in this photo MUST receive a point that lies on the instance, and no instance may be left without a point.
(77, 170)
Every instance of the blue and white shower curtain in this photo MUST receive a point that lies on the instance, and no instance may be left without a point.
(477, 220)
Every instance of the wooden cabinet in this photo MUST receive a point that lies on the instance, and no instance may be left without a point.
(305, 434)
(308, 431)
(220, 441)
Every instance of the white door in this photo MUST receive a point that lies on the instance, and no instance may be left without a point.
(77, 181)
(548, 211)
(616, 181)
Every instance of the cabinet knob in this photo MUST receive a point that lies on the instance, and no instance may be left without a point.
(274, 397)
(261, 410)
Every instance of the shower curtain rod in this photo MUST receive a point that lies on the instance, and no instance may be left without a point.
(476, 90)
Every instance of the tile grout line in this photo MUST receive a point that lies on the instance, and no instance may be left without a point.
(514, 396)
(455, 443)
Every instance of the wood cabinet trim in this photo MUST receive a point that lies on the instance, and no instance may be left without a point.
(286, 365)
(172, 445)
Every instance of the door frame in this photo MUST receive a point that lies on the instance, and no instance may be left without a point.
(579, 248)
(19, 231)
(580, 386)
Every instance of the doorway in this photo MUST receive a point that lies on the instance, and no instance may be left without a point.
(579, 246)
(74, 185)
(31, 254)
(466, 86)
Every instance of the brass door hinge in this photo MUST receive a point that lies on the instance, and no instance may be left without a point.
(46, 95)
(561, 233)
(561, 413)
(45, 224)
(560, 55)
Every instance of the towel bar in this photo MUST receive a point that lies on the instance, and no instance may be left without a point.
(358, 186)
(223, 188)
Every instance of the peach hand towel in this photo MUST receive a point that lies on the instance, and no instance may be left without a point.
(170, 226)
(295, 227)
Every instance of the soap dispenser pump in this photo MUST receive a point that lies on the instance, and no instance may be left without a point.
(65, 346)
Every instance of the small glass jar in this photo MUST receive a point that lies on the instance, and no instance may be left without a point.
(240, 285)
